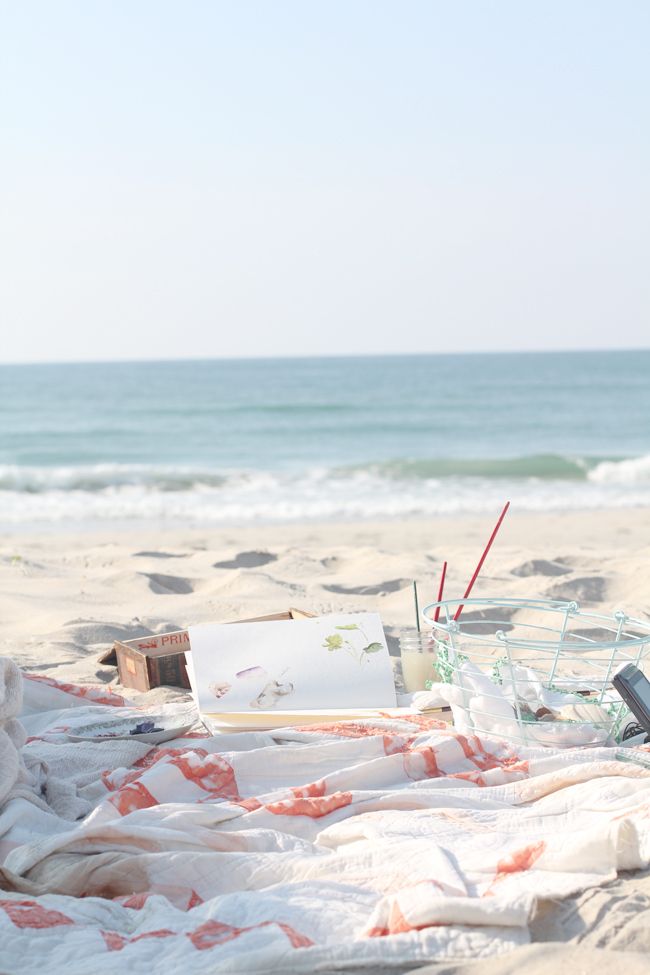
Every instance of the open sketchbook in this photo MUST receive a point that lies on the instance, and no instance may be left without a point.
(270, 674)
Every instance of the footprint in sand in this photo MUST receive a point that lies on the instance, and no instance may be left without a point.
(482, 621)
(168, 585)
(85, 632)
(160, 555)
(247, 560)
(88, 633)
(331, 562)
(590, 589)
(540, 567)
(597, 635)
(379, 589)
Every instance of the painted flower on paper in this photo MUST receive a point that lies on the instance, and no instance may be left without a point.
(333, 642)
(336, 641)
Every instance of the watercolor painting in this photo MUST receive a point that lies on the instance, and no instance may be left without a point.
(267, 691)
(335, 661)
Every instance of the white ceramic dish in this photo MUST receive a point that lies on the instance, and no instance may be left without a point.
(118, 729)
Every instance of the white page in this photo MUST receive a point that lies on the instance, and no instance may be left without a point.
(189, 667)
(338, 661)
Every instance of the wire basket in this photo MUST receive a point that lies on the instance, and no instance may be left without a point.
(535, 672)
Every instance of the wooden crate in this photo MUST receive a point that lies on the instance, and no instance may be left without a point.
(151, 661)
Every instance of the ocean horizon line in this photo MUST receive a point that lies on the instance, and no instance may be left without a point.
(332, 356)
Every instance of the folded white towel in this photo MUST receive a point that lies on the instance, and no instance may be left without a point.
(479, 705)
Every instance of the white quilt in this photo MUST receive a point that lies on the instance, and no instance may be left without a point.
(346, 847)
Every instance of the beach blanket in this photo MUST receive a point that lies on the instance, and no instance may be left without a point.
(354, 846)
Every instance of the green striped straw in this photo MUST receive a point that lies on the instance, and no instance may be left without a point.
(417, 605)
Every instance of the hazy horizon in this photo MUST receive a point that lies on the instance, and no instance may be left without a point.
(330, 355)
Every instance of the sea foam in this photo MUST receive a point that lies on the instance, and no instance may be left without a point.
(635, 470)
(185, 496)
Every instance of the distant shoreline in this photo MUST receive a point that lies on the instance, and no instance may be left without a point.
(626, 529)
(302, 357)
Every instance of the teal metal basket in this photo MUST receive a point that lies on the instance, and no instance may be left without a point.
(534, 671)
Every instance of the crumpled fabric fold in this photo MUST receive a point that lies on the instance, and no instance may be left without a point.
(352, 845)
(15, 778)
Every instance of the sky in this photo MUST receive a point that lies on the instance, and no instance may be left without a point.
(201, 178)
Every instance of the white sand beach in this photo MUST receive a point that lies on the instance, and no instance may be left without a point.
(67, 597)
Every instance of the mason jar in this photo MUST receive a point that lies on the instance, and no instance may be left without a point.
(418, 656)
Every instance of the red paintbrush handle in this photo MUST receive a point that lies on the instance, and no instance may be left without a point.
(482, 559)
(441, 590)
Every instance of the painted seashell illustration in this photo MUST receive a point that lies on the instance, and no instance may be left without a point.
(270, 695)
(220, 689)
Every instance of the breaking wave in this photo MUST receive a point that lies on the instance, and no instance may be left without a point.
(635, 470)
(170, 478)
(97, 494)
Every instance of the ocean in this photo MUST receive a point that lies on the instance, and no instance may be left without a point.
(224, 442)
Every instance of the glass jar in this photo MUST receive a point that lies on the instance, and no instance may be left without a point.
(418, 656)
